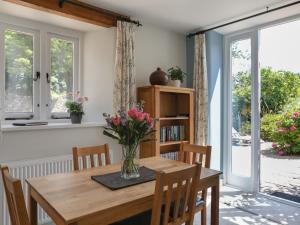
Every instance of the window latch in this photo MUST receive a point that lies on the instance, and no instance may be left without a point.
(48, 78)
(38, 76)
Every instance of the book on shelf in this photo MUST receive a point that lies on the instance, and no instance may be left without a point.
(172, 133)
(170, 155)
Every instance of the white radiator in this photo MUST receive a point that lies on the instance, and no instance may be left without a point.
(34, 168)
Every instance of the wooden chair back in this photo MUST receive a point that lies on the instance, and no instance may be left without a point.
(15, 199)
(191, 154)
(175, 191)
(91, 152)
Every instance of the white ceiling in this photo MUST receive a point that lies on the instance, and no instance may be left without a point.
(178, 15)
(186, 15)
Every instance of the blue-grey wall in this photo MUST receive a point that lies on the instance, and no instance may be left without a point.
(214, 56)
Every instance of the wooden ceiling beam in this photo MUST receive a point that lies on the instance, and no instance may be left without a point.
(78, 11)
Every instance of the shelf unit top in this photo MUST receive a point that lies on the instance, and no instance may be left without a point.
(175, 118)
(169, 89)
(167, 143)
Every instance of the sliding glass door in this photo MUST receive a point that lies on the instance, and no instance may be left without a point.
(242, 101)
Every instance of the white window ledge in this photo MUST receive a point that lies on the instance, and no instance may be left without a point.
(11, 128)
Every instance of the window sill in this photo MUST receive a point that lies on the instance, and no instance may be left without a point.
(11, 128)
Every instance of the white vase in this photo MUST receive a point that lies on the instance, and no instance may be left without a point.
(174, 83)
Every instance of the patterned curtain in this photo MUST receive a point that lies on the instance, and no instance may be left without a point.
(201, 95)
(125, 86)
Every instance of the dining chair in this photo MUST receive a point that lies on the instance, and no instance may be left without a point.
(190, 153)
(174, 199)
(15, 199)
(90, 152)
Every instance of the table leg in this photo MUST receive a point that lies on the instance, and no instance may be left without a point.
(32, 206)
(215, 201)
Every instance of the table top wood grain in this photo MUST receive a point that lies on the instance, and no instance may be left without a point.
(75, 196)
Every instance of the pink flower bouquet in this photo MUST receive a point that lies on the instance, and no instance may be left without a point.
(129, 129)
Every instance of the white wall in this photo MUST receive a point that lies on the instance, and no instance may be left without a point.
(155, 47)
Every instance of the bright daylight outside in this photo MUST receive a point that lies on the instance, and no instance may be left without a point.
(19, 72)
(280, 107)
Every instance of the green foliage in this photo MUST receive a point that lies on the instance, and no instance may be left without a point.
(61, 67)
(75, 107)
(241, 98)
(287, 135)
(292, 106)
(246, 128)
(176, 73)
(280, 91)
(238, 53)
(19, 66)
(268, 126)
(278, 88)
(18, 63)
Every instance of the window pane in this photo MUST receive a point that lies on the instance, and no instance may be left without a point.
(61, 84)
(18, 72)
(241, 108)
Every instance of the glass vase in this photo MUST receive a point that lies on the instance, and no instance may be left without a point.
(130, 167)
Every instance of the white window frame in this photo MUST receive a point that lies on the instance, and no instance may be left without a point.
(47, 113)
(42, 34)
(247, 184)
(36, 68)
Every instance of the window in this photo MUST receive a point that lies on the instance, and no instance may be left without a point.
(19, 69)
(36, 86)
(61, 77)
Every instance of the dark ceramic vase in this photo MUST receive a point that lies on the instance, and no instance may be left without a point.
(76, 118)
(158, 77)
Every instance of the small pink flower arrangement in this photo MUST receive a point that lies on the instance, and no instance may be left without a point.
(76, 106)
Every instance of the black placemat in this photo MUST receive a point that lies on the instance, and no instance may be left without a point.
(114, 181)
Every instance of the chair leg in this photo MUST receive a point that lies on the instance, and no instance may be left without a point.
(203, 216)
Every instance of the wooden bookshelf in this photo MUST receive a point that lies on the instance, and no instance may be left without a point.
(171, 106)
(175, 118)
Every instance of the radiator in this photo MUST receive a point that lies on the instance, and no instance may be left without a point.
(34, 168)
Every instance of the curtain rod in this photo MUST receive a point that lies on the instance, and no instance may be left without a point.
(245, 18)
(109, 13)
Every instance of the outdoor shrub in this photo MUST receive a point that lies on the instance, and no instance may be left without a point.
(246, 128)
(287, 136)
(268, 126)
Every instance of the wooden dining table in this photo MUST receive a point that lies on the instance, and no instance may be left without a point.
(75, 199)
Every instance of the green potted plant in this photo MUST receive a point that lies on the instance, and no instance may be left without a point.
(75, 108)
(176, 76)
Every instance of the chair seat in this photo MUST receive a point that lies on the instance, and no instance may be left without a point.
(145, 217)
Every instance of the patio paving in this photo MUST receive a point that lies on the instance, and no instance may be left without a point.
(278, 173)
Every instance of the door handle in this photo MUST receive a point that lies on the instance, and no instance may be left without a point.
(37, 76)
(48, 78)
